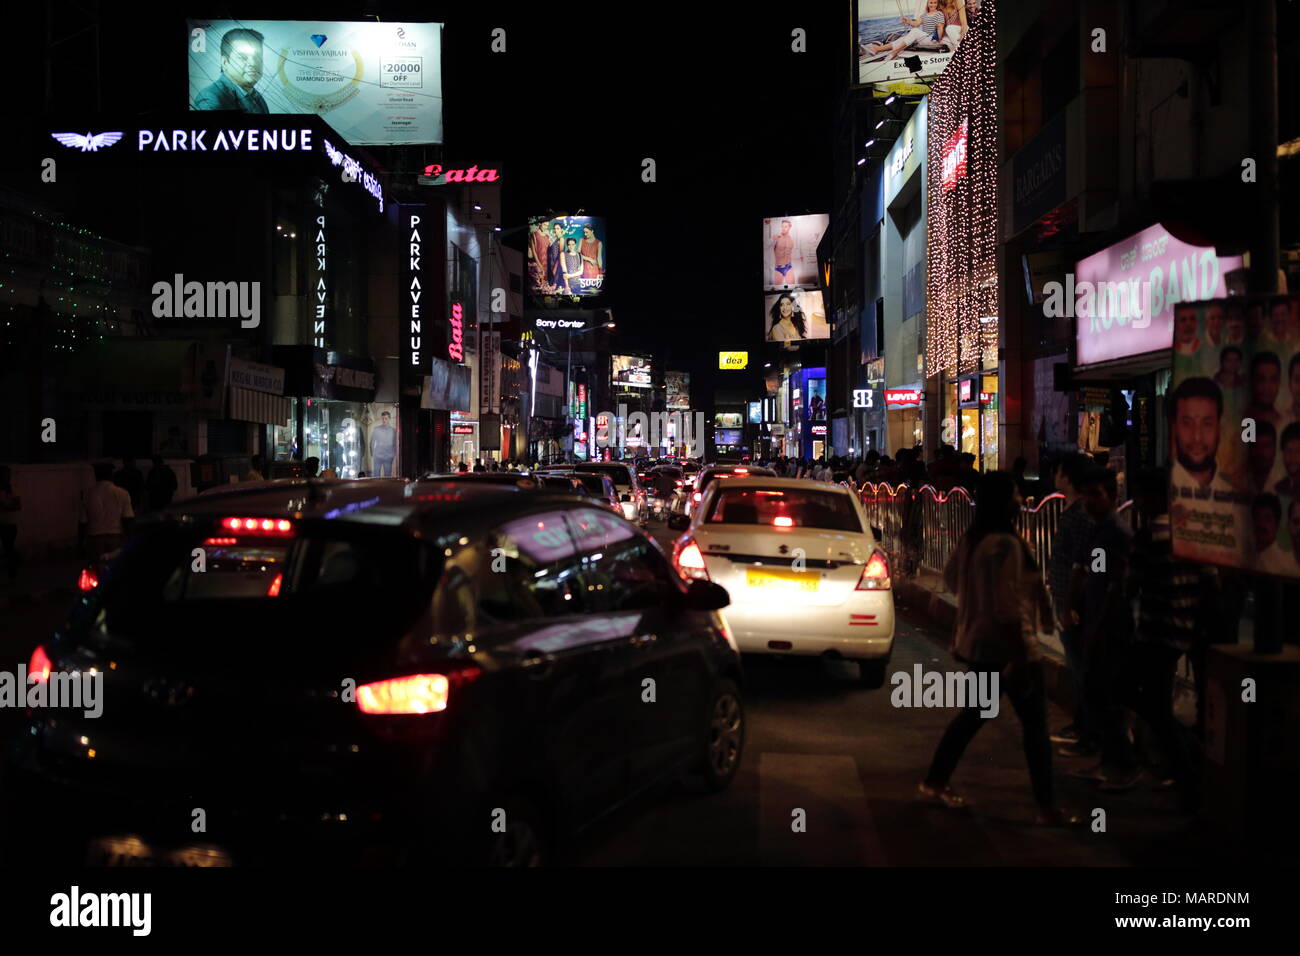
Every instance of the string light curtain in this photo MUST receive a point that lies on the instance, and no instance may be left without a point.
(962, 227)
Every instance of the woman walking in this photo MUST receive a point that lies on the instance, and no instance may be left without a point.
(1001, 598)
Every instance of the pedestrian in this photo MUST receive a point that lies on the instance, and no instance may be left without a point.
(106, 512)
(132, 479)
(10, 505)
(1179, 605)
(1001, 598)
(478, 465)
(1107, 620)
(257, 469)
(313, 466)
(329, 474)
(462, 467)
(161, 484)
(1073, 529)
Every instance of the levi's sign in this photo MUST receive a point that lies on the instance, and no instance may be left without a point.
(903, 396)
(954, 157)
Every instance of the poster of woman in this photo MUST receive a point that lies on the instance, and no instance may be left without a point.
(566, 255)
(795, 316)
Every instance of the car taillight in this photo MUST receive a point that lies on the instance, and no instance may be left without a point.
(782, 521)
(414, 694)
(38, 669)
(697, 496)
(274, 589)
(280, 527)
(88, 580)
(875, 576)
(679, 484)
(690, 561)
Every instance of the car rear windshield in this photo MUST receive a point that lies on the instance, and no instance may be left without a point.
(593, 483)
(619, 476)
(784, 507)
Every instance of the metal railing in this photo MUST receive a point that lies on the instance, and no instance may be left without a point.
(921, 528)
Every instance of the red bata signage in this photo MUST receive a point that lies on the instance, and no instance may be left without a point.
(901, 397)
(472, 175)
(954, 157)
(462, 429)
(455, 349)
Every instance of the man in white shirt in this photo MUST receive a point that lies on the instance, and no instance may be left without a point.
(105, 512)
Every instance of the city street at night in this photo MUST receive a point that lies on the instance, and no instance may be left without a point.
(650, 441)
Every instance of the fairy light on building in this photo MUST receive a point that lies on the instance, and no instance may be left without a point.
(962, 227)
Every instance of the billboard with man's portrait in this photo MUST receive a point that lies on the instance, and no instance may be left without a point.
(900, 41)
(1234, 426)
(375, 83)
(795, 316)
(790, 251)
(566, 255)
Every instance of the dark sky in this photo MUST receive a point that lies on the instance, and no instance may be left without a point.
(738, 124)
(740, 128)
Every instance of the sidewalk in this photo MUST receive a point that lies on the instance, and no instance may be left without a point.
(41, 582)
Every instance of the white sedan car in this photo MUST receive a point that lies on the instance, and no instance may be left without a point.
(805, 571)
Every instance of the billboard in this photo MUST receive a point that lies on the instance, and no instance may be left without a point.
(679, 390)
(1234, 429)
(795, 316)
(728, 420)
(733, 360)
(900, 41)
(631, 371)
(816, 407)
(566, 255)
(1124, 296)
(728, 436)
(790, 251)
(375, 83)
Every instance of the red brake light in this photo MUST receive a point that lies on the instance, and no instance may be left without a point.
(280, 527)
(38, 669)
(697, 496)
(87, 581)
(690, 561)
(741, 471)
(274, 589)
(875, 576)
(416, 694)
(783, 521)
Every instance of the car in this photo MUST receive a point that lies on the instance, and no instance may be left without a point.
(675, 501)
(371, 672)
(631, 494)
(806, 571)
(600, 488)
(709, 473)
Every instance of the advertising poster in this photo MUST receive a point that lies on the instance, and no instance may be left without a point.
(727, 420)
(566, 255)
(381, 453)
(900, 41)
(795, 316)
(679, 390)
(790, 251)
(1234, 425)
(375, 83)
(817, 400)
(631, 371)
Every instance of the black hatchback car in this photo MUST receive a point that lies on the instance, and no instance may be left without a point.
(372, 671)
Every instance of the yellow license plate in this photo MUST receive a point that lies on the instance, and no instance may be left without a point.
(783, 580)
(128, 851)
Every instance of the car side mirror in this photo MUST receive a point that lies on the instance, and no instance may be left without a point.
(679, 522)
(706, 596)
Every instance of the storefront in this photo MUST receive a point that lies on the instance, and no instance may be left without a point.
(333, 416)
(904, 416)
(971, 405)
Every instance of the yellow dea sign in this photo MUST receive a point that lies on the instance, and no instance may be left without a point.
(733, 360)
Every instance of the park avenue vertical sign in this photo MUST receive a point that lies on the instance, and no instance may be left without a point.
(421, 264)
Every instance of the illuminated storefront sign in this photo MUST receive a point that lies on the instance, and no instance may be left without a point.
(903, 397)
(986, 398)
(472, 175)
(964, 390)
(954, 157)
(320, 290)
(733, 360)
(414, 340)
(353, 173)
(567, 324)
(864, 398)
(455, 349)
(462, 429)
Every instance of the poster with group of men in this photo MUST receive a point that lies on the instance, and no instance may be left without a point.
(1234, 423)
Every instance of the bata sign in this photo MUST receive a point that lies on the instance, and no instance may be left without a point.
(954, 157)
(903, 396)
(457, 334)
(435, 175)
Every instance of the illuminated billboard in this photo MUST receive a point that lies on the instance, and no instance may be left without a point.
(790, 251)
(795, 316)
(375, 83)
(735, 360)
(901, 41)
(679, 390)
(566, 255)
(631, 371)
